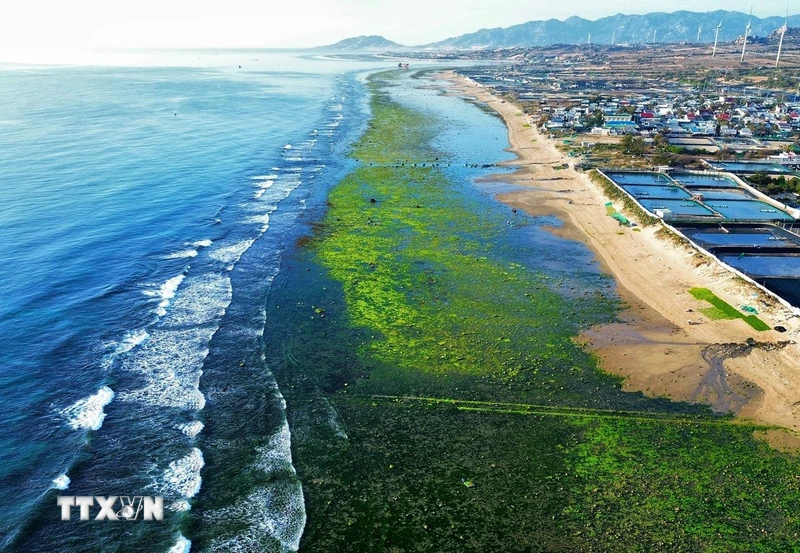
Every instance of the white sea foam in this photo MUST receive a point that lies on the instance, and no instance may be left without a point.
(276, 511)
(191, 429)
(87, 413)
(230, 252)
(262, 219)
(287, 147)
(276, 454)
(262, 188)
(131, 340)
(182, 477)
(181, 254)
(264, 177)
(171, 364)
(182, 545)
(164, 293)
(202, 243)
(171, 360)
(179, 506)
(61, 482)
(202, 299)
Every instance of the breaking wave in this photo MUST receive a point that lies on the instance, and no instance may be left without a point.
(87, 413)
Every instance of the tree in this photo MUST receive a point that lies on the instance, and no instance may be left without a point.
(633, 145)
(594, 120)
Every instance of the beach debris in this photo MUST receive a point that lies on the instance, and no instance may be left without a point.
(749, 309)
(468, 483)
(780, 328)
(621, 218)
(613, 213)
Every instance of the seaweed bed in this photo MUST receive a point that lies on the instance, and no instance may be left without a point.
(438, 402)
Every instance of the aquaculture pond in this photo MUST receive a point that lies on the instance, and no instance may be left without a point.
(639, 178)
(741, 239)
(749, 210)
(745, 167)
(758, 265)
(423, 337)
(723, 194)
(673, 192)
(677, 207)
(705, 181)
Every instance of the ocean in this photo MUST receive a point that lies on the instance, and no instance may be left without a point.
(144, 209)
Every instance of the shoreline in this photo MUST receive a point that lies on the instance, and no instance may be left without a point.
(654, 346)
(431, 372)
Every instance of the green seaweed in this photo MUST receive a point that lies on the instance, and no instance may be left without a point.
(651, 486)
(417, 350)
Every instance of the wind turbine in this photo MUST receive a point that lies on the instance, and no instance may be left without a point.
(783, 32)
(716, 38)
(700, 30)
(746, 34)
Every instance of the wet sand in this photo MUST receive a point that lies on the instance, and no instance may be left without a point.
(662, 345)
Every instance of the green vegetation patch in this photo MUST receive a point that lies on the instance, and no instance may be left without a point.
(420, 348)
(651, 486)
(426, 267)
(722, 310)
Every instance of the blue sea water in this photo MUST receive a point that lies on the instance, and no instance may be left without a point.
(143, 212)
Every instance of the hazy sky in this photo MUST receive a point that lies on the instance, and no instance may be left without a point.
(80, 24)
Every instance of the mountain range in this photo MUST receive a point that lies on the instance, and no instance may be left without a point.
(680, 26)
(363, 43)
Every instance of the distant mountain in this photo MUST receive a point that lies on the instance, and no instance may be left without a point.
(363, 43)
(792, 36)
(681, 26)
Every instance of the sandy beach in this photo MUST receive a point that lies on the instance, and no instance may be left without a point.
(662, 346)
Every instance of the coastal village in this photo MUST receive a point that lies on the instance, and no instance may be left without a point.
(705, 148)
(707, 152)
